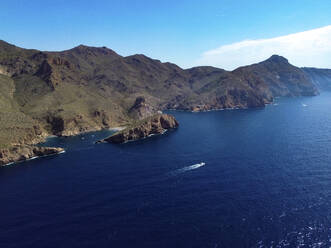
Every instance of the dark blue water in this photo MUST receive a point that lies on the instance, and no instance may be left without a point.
(266, 183)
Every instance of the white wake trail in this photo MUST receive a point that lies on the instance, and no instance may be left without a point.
(188, 168)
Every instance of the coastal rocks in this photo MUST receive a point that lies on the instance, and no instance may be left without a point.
(153, 125)
(24, 152)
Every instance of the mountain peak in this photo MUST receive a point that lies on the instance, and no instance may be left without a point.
(83, 49)
(277, 59)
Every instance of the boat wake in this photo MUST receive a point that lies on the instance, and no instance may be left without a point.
(188, 168)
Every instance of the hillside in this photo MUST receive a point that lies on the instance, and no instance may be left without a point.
(91, 88)
(320, 77)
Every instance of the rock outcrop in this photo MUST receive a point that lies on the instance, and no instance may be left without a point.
(141, 109)
(22, 153)
(153, 125)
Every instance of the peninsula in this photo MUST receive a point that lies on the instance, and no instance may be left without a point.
(154, 125)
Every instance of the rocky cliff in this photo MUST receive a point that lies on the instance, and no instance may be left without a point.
(24, 152)
(156, 124)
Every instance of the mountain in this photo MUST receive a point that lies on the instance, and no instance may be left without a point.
(279, 77)
(320, 77)
(91, 88)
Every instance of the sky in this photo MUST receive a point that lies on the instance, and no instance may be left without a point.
(221, 33)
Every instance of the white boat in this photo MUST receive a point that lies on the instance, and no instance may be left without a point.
(195, 166)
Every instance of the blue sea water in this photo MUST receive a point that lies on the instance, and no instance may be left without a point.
(266, 182)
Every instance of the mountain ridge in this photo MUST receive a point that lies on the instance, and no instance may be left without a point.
(92, 88)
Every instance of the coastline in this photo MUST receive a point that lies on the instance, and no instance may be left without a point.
(19, 154)
(216, 109)
(43, 138)
(7, 153)
(117, 129)
(33, 158)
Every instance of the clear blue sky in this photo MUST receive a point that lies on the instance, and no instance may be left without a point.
(177, 31)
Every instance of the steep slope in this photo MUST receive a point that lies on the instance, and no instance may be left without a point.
(278, 77)
(220, 89)
(15, 126)
(320, 77)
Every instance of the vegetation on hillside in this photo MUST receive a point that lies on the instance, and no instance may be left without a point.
(90, 88)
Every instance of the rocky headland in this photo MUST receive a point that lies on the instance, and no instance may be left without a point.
(154, 125)
(22, 153)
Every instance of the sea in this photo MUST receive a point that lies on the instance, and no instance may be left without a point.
(232, 178)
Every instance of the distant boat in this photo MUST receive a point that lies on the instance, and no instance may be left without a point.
(188, 168)
(304, 105)
(195, 166)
